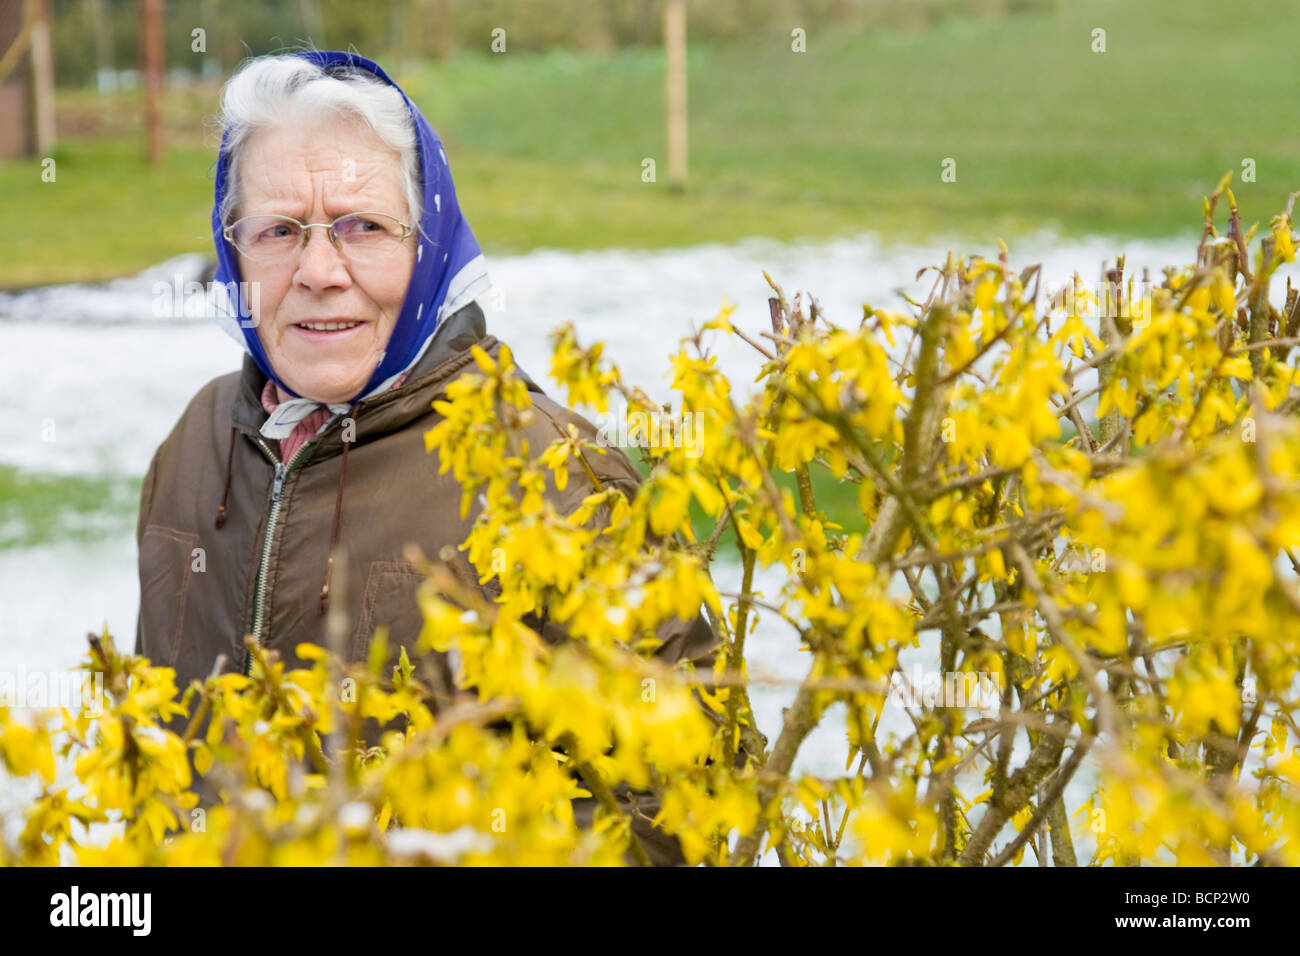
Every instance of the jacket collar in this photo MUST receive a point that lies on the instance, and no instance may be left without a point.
(448, 354)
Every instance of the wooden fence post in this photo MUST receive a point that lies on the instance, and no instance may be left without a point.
(675, 49)
(151, 62)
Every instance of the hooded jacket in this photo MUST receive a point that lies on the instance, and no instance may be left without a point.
(232, 541)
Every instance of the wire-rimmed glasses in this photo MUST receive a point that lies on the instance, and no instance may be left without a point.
(362, 237)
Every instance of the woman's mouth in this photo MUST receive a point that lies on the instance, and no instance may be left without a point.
(327, 328)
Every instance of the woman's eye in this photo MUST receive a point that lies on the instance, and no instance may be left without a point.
(358, 227)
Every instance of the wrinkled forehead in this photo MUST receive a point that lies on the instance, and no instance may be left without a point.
(331, 167)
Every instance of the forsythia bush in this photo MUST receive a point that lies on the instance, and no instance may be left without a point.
(1125, 570)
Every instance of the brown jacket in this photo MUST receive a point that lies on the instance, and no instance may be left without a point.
(259, 568)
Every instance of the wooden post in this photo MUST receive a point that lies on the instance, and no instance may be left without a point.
(42, 67)
(151, 57)
(105, 79)
(16, 137)
(675, 50)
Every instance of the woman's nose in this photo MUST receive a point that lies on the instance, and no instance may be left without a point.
(320, 263)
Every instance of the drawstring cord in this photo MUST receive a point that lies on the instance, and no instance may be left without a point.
(225, 493)
(334, 530)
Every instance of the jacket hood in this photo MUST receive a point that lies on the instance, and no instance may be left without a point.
(449, 268)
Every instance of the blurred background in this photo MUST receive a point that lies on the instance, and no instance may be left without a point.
(839, 144)
(548, 137)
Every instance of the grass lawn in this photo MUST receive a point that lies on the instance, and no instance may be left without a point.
(106, 214)
(36, 509)
(547, 149)
(837, 500)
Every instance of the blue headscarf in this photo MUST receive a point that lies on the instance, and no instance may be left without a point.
(449, 268)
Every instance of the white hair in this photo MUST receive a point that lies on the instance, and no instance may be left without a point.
(287, 90)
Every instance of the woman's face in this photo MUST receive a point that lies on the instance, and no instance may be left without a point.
(317, 175)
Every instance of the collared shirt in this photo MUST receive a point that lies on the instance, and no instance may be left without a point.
(308, 427)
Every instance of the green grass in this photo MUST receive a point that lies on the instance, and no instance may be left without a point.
(39, 508)
(836, 500)
(105, 215)
(851, 135)
(547, 149)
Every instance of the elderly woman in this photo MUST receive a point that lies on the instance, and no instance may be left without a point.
(336, 219)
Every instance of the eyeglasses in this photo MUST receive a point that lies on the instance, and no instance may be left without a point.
(361, 236)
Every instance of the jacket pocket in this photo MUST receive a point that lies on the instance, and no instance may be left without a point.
(166, 563)
(391, 599)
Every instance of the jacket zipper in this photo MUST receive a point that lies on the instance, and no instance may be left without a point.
(273, 512)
